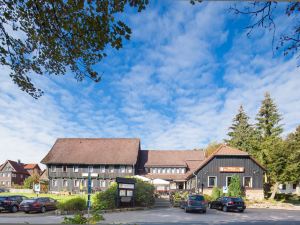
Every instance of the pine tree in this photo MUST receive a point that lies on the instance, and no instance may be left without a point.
(234, 188)
(242, 134)
(268, 118)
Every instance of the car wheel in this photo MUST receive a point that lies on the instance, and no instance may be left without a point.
(43, 209)
(204, 211)
(186, 210)
(14, 209)
(26, 212)
(224, 208)
(241, 211)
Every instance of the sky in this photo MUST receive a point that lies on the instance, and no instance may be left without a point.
(177, 84)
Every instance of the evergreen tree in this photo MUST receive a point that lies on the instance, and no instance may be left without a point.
(241, 134)
(268, 118)
(234, 188)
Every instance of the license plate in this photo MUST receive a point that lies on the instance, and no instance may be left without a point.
(239, 207)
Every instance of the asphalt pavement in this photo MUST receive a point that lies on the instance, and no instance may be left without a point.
(171, 216)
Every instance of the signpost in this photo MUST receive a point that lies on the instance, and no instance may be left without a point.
(37, 189)
(225, 189)
(126, 191)
(89, 185)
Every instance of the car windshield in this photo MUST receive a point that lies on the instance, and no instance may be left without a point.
(197, 197)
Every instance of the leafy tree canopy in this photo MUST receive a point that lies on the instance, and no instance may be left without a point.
(60, 35)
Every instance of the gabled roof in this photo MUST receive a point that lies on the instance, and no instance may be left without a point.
(93, 151)
(225, 150)
(171, 158)
(18, 167)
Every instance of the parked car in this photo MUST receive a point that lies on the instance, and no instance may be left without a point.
(194, 203)
(38, 205)
(229, 204)
(11, 203)
(3, 190)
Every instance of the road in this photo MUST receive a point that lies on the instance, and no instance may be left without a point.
(173, 216)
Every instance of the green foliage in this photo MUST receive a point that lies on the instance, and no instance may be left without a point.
(73, 204)
(213, 146)
(29, 181)
(60, 35)
(81, 219)
(242, 135)
(144, 193)
(208, 198)
(216, 193)
(234, 188)
(106, 199)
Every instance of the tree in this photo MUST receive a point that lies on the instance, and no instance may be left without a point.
(242, 134)
(57, 36)
(211, 148)
(29, 181)
(234, 188)
(292, 145)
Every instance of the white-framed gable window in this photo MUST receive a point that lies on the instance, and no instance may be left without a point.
(53, 168)
(75, 169)
(212, 181)
(247, 182)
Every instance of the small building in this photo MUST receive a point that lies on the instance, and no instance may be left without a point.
(289, 188)
(70, 160)
(12, 173)
(218, 169)
(33, 169)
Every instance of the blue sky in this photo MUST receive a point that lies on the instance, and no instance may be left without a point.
(176, 85)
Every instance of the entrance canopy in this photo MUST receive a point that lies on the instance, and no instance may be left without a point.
(142, 178)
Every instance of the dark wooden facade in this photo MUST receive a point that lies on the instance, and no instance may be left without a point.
(212, 168)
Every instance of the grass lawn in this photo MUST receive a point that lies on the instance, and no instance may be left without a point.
(58, 197)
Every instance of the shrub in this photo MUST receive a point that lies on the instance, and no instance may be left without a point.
(73, 204)
(144, 193)
(29, 181)
(207, 198)
(216, 193)
(81, 219)
(234, 188)
(106, 199)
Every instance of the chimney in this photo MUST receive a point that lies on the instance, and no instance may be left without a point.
(19, 161)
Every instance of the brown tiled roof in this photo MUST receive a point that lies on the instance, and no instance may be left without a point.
(224, 150)
(93, 151)
(31, 166)
(171, 158)
(18, 167)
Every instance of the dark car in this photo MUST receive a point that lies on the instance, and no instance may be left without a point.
(11, 203)
(194, 203)
(38, 205)
(229, 204)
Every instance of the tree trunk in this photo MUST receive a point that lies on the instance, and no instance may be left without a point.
(275, 188)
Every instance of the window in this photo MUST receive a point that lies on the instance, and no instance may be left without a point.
(228, 180)
(177, 170)
(129, 169)
(122, 169)
(154, 170)
(102, 169)
(111, 169)
(102, 183)
(76, 183)
(90, 169)
(92, 183)
(212, 181)
(75, 169)
(64, 168)
(158, 170)
(283, 187)
(169, 170)
(83, 183)
(247, 182)
(65, 183)
(182, 170)
(164, 170)
(53, 168)
(54, 183)
(8, 174)
(294, 186)
(173, 170)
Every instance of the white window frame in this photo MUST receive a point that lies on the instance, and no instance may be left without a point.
(75, 169)
(216, 181)
(154, 170)
(177, 170)
(163, 170)
(75, 183)
(90, 169)
(111, 169)
(122, 169)
(173, 170)
(183, 170)
(227, 180)
(102, 183)
(158, 170)
(129, 169)
(65, 182)
(169, 170)
(53, 168)
(251, 181)
(102, 169)
(54, 183)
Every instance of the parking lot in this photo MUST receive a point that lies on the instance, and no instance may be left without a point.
(172, 216)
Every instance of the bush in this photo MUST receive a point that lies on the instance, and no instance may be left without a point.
(216, 193)
(29, 181)
(106, 199)
(144, 193)
(207, 198)
(73, 204)
(234, 188)
(81, 219)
